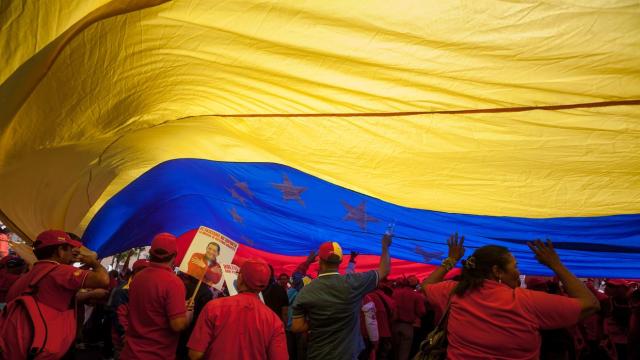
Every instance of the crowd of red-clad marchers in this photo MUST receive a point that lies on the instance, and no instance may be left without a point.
(53, 310)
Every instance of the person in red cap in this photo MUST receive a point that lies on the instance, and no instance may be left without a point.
(329, 307)
(240, 327)
(118, 306)
(157, 309)
(55, 294)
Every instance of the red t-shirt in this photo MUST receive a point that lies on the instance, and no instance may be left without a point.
(498, 322)
(385, 311)
(410, 304)
(239, 327)
(56, 299)
(156, 295)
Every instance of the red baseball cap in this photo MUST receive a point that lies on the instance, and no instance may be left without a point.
(255, 273)
(54, 237)
(330, 248)
(163, 244)
(139, 265)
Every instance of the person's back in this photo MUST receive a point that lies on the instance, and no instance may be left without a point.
(151, 306)
(243, 328)
(496, 321)
(490, 316)
(330, 305)
(410, 304)
(240, 327)
(410, 307)
(156, 298)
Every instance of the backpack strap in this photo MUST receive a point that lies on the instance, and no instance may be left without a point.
(28, 300)
(40, 329)
(442, 323)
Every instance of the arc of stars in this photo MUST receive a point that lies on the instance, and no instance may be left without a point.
(235, 195)
(236, 217)
(244, 186)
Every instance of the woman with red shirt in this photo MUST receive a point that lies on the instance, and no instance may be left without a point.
(490, 316)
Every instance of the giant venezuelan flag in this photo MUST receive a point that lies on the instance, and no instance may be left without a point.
(285, 124)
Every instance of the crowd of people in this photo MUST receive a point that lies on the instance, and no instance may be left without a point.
(150, 311)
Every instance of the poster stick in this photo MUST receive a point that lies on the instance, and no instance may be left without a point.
(195, 292)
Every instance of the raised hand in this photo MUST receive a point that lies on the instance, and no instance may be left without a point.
(312, 257)
(456, 246)
(85, 256)
(545, 253)
(386, 239)
(353, 255)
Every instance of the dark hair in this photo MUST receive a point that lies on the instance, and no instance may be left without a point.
(283, 274)
(113, 273)
(216, 244)
(479, 267)
(160, 256)
(48, 252)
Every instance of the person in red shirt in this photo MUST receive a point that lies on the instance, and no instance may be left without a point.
(386, 311)
(157, 307)
(119, 308)
(240, 327)
(206, 265)
(55, 295)
(411, 307)
(491, 316)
